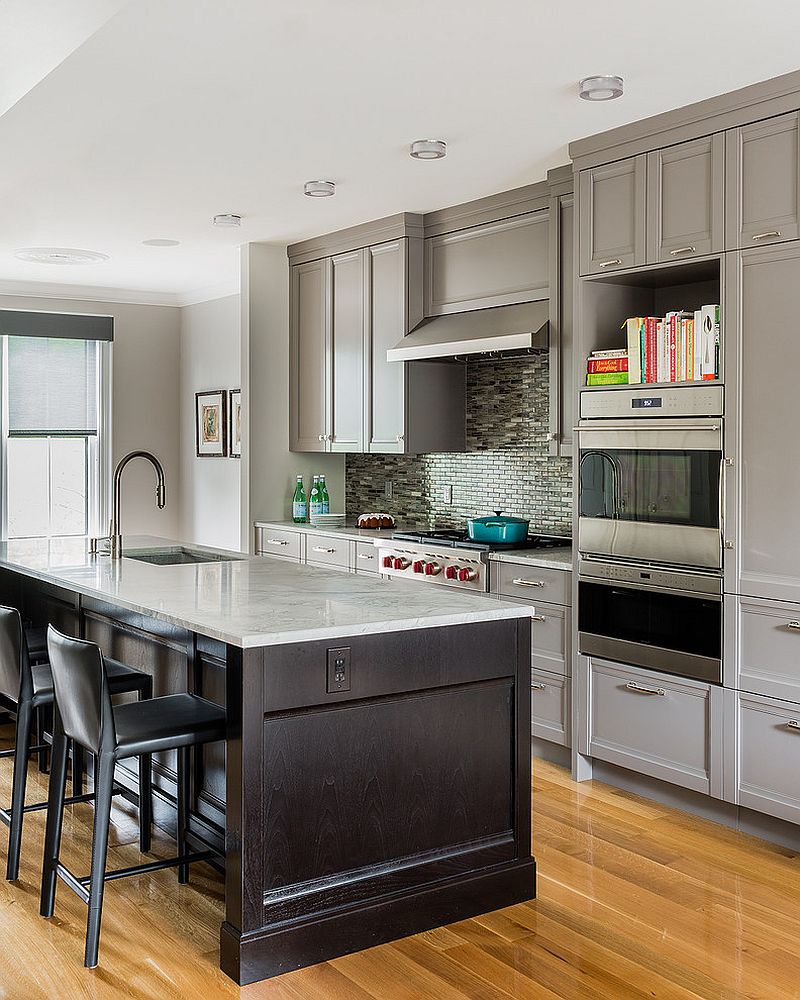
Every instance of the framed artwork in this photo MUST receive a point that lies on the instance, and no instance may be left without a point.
(235, 423)
(211, 423)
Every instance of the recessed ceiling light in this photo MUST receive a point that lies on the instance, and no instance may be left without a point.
(600, 88)
(160, 243)
(319, 189)
(227, 220)
(428, 149)
(59, 255)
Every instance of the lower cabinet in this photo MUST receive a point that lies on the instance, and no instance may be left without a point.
(551, 707)
(655, 724)
(366, 558)
(279, 543)
(764, 647)
(328, 551)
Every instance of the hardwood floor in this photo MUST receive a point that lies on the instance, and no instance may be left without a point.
(635, 900)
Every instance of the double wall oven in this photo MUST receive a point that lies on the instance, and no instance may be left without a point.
(650, 531)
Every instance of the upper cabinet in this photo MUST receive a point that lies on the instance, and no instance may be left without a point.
(685, 191)
(347, 352)
(496, 264)
(612, 220)
(309, 375)
(764, 181)
(562, 340)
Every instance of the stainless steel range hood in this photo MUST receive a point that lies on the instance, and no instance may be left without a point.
(504, 328)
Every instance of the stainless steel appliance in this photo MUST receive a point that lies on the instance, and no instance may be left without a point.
(651, 483)
(448, 558)
(662, 619)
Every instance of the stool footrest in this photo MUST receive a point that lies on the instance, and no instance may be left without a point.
(5, 814)
(35, 749)
(79, 885)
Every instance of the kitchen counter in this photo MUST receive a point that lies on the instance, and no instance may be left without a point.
(348, 531)
(250, 601)
(548, 558)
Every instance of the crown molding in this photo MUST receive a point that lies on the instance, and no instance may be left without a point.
(207, 293)
(88, 293)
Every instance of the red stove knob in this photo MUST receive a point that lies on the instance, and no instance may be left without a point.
(432, 568)
(466, 575)
(401, 563)
(388, 562)
(419, 566)
(451, 572)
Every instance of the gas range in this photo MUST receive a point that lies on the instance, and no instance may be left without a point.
(448, 557)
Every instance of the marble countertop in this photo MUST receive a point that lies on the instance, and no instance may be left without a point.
(548, 558)
(249, 601)
(348, 531)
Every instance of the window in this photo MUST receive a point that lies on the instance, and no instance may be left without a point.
(54, 394)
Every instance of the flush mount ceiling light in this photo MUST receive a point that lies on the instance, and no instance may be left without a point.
(160, 243)
(227, 220)
(600, 88)
(428, 149)
(319, 189)
(59, 255)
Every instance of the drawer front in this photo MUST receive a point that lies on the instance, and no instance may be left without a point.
(366, 558)
(550, 707)
(550, 639)
(655, 724)
(769, 756)
(324, 550)
(279, 542)
(769, 648)
(533, 583)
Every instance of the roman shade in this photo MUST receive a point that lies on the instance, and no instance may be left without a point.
(52, 386)
(64, 326)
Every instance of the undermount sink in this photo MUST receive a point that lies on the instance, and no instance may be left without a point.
(177, 555)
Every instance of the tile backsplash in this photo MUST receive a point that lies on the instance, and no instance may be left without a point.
(507, 463)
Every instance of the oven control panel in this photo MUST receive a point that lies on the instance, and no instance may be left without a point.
(650, 576)
(653, 401)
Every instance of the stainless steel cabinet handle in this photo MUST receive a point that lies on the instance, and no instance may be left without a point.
(793, 626)
(793, 724)
(674, 253)
(400, 438)
(364, 555)
(528, 583)
(538, 618)
(537, 687)
(321, 548)
(641, 689)
(763, 236)
(610, 263)
(276, 541)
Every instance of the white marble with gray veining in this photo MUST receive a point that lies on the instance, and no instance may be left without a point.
(548, 558)
(348, 531)
(250, 601)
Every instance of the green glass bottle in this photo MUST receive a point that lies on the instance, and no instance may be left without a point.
(326, 504)
(315, 499)
(299, 503)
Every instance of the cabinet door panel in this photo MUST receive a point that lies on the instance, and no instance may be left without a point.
(347, 352)
(768, 756)
(769, 546)
(386, 309)
(550, 707)
(562, 340)
(685, 185)
(612, 223)
(769, 648)
(310, 333)
(497, 264)
(764, 182)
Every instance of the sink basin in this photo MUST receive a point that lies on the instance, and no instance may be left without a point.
(176, 555)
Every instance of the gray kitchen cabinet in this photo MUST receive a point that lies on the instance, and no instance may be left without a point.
(763, 166)
(562, 338)
(532, 583)
(366, 558)
(309, 341)
(279, 543)
(497, 264)
(328, 551)
(613, 207)
(551, 639)
(656, 724)
(768, 543)
(347, 349)
(685, 195)
(765, 652)
(550, 707)
(763, 754)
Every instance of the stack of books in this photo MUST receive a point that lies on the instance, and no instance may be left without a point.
(678, 347)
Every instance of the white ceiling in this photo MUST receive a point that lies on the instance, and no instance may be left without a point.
(174, 110)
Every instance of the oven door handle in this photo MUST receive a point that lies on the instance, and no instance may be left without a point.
(608, 426)
(721, 508)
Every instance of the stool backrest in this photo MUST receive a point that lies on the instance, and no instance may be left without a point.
(81, 691)
(15, 672)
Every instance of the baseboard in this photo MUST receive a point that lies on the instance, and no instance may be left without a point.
(554, 753)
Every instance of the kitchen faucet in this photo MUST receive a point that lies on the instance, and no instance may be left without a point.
(114, 539)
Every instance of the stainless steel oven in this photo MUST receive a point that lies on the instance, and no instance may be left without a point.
(660, 619)
(651, 475)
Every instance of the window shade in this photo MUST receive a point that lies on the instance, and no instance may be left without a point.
(66, 326)
(52, 385)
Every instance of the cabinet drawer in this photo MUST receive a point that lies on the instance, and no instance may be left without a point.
(279, 542)
(324, 550)
(550, 707)
(366, 558)
(769, 756)
(769, 648)
(550, 640)
(533, 583)
(655, 724)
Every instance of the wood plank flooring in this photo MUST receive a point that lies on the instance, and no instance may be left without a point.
(635, 900)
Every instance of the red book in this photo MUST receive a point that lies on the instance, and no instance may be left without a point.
(651, 348)
(603, 365)
(673, 348)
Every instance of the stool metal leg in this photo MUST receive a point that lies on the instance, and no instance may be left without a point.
(55, 819)
(78, 769)
(104, 784)
(40, 728)
(145, 802)
(183, 811)
(21, 743)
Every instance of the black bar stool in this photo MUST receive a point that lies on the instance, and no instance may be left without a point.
(28, 687)
(84, 714)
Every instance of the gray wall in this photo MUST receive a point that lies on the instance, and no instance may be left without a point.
(507, 464)
(210, 498)
(145, 400)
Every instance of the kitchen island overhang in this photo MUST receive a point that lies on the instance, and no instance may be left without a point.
(355, 810)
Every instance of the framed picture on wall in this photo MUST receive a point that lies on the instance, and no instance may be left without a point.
(211, 423)
(235, 423)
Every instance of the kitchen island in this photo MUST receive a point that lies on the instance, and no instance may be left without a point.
(375, 779)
